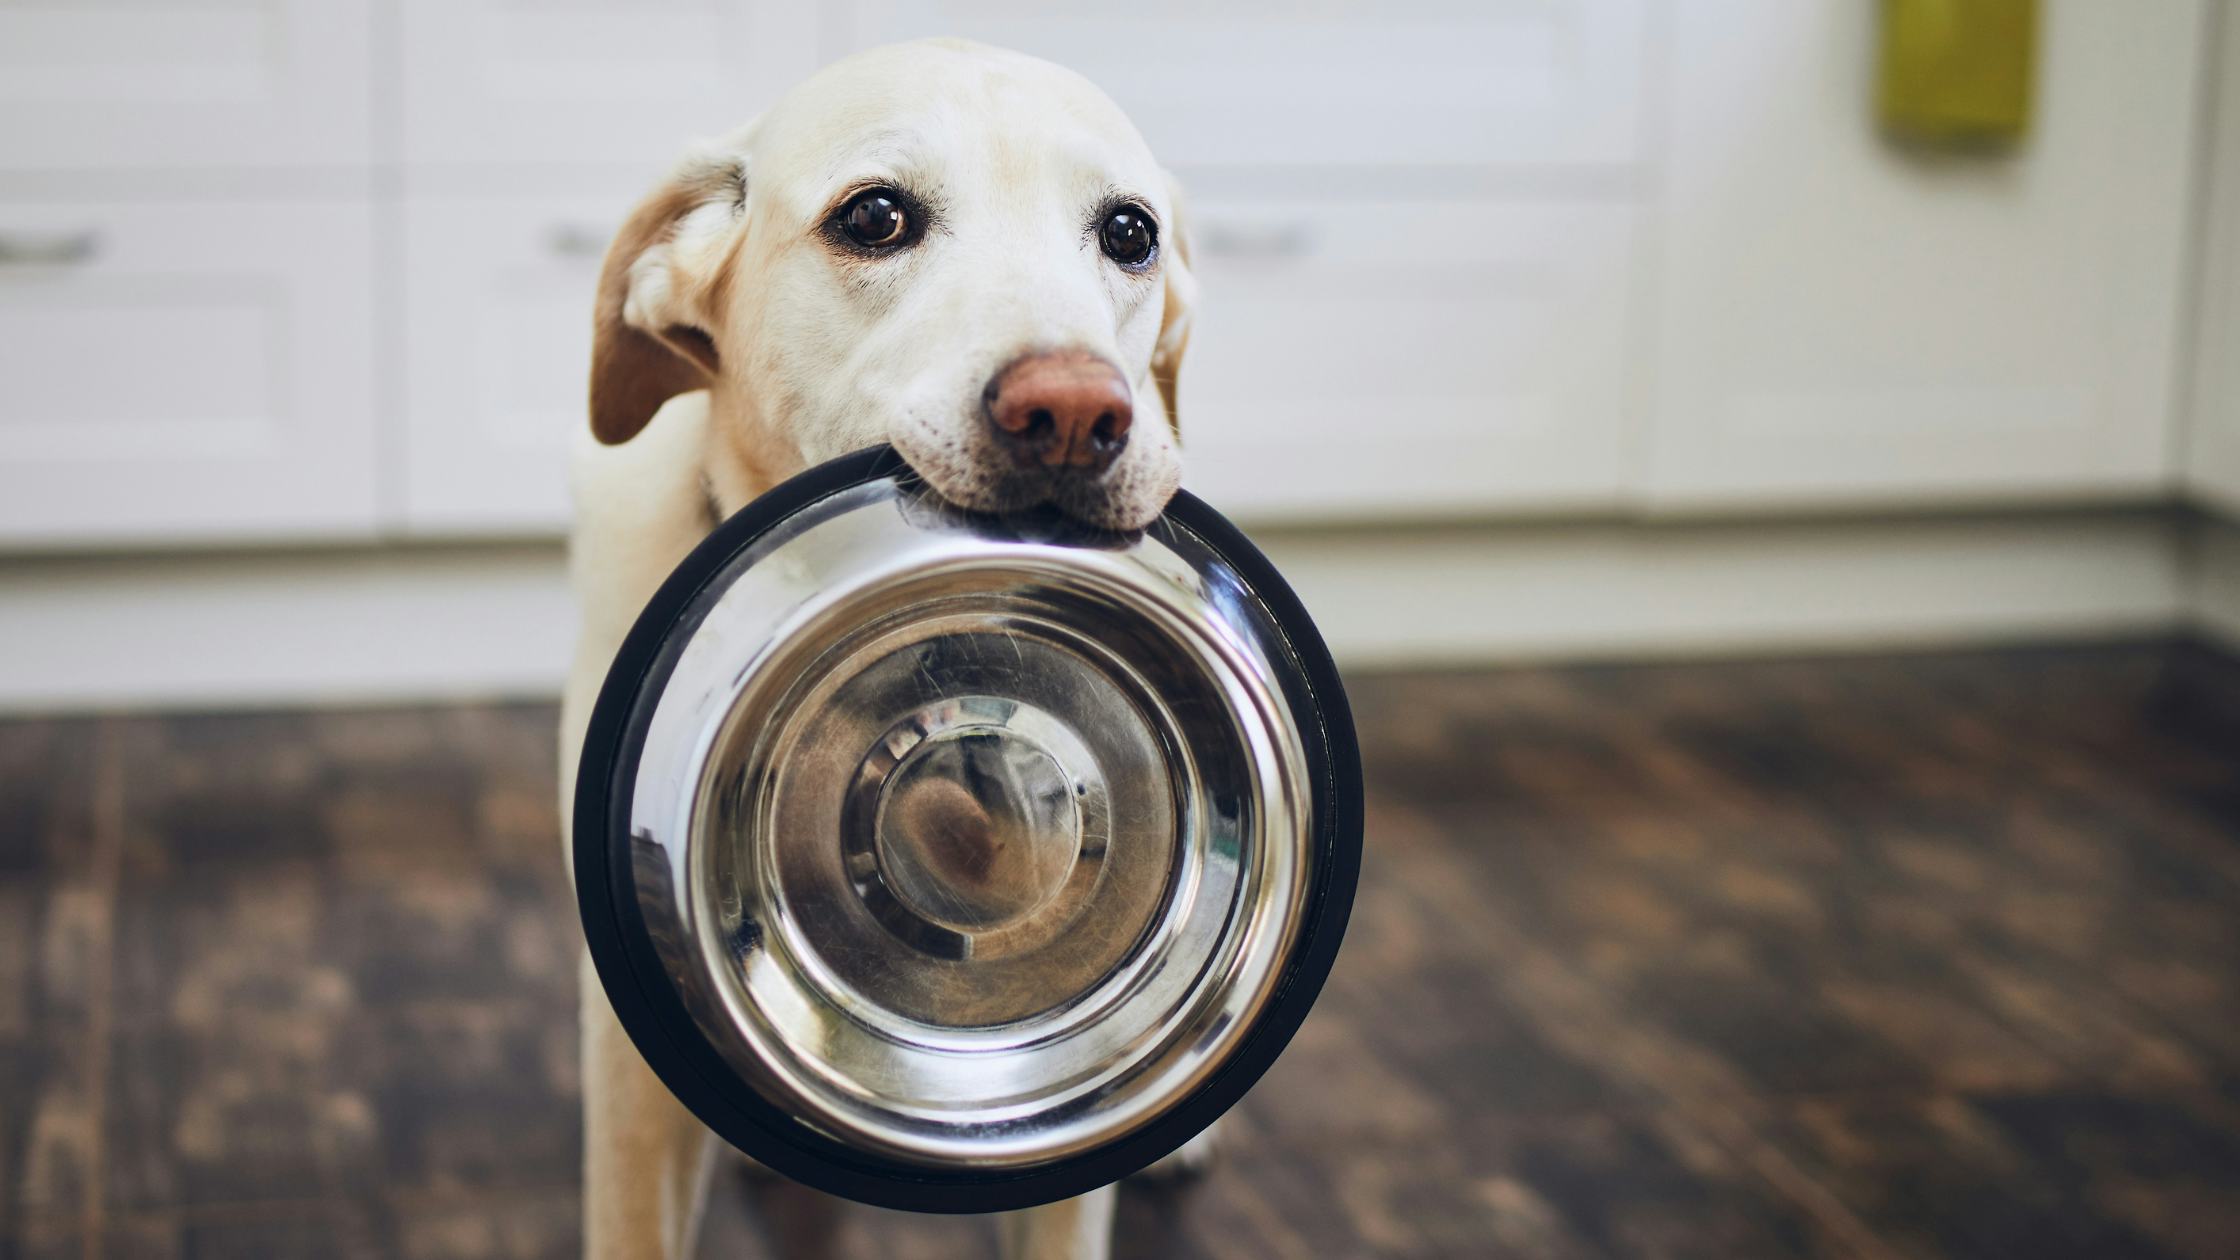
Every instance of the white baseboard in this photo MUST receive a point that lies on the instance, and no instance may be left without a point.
(491, 621)
(283, 629)
(2214, 592)
(1493, 593)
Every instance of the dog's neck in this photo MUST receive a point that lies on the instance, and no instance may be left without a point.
(739, 461)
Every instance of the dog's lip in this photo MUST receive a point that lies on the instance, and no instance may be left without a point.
(1022, 491)
(1043, 522)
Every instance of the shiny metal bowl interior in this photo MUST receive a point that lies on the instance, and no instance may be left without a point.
(971, 843)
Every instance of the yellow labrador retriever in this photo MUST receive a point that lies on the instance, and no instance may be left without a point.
(962, 251)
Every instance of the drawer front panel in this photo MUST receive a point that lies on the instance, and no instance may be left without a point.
(1543, 83)
(1407, 358)
(191, 83)
(487, 81)
(497, 342)
(182, 372)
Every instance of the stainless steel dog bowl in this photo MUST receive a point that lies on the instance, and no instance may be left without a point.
(960, 863)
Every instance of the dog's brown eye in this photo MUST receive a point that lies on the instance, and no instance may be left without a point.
(875, 220)
(1128, 236)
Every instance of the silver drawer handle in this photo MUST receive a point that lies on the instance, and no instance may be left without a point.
(1257, 240)
(576, 240)
(48, 249)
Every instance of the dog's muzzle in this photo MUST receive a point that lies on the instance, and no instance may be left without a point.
(962, 863)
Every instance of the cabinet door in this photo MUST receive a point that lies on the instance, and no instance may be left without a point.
(1406, 358)
(1443, 82)
(497, 344)
(185, 372)
(1840, 320)
(2213, 449)
(186, 83)
(593, 81)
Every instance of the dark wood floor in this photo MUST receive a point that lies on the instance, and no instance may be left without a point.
(1899, 957)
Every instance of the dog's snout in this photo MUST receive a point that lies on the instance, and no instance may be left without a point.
(1061, 409)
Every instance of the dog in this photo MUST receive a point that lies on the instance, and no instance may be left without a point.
(965, 252)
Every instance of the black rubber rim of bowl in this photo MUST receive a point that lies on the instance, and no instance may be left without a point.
(655, 1017)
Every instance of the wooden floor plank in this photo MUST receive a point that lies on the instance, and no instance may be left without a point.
(1933, 955)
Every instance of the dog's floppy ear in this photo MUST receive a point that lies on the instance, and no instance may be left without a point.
(651, 336)
(1181, 302)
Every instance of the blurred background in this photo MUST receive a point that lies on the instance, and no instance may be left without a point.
(1608, 308)
(1873, 367)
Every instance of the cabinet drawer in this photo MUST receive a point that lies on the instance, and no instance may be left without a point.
(179, 372)
(497, 342)
(1407, 358)
(187, 83)
(593, 81)
(1440, 82)
(1340, 366)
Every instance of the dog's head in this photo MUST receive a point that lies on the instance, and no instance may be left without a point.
(966, 252)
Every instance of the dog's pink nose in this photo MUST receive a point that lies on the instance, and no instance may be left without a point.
(1061, 409)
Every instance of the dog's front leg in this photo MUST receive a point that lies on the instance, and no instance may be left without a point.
(1073, 1229)
(645, 1161)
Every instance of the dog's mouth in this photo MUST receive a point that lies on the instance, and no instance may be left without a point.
(1029, 498)
(1038, 522)
(1117, 499)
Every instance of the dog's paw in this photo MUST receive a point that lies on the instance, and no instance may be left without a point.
(1188, 1162)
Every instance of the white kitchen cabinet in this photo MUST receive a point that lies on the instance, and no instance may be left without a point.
(1538, 83)
(1457, 257)
(497, 350)
(186, 371)
(2212, 466)
(185, 84)
(1404, 359)
(595, 81)
(1837, 321)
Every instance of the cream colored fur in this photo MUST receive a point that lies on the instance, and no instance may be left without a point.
(773, 352)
